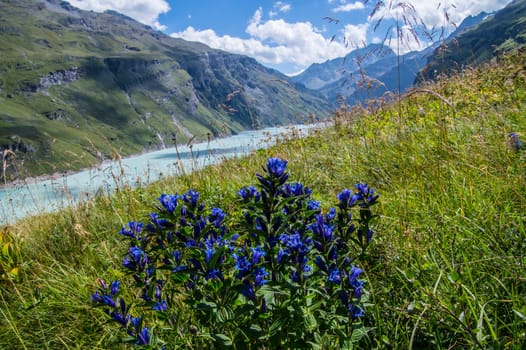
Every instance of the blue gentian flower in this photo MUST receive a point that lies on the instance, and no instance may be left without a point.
(276, 170)
(96, 297)
(248, 290)
(133, 231)
(322, 232)
(331, 214)
(295, 190)
(136, 259)
(169, 202)
(191, 197)
(199, 226)
(214, 274)
(158, 292)
(366, 193)
(276, 167)
(354, 274)
(159, 223)
(242, 265)
(209, 253)
(143, 337)
(320, 262)
(118, 317)
(259, 276)
(177, 256)
(515, 141)
(108, 300)
(282, 254)
(249, 193)
(347, 199)
(191, 243)
(334, 276)
(354, 282)
(355, 311)
(257, 254)
(136, 322)
(294, 276)
(114, 287)
(160, 306)
(313, 205)
(216, 217)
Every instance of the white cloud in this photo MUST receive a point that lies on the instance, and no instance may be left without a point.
(437, 14)
(274, 42)
(282, 7)
(433, 12)
(279, 7)
(358, 5)
(144, 11)
(356, 35)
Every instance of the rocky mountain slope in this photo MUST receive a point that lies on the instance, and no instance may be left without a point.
(501, 32)
(77, 87)
(372, 71)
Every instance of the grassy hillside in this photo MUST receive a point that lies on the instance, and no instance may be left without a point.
(77, 87)
(446, 266)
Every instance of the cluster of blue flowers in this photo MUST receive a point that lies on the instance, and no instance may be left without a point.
(515, 142)
(285, 240)
(116, 308)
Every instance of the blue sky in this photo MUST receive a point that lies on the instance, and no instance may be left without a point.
(290, 35)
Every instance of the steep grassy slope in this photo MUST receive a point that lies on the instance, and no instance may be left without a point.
(446, 268)
(78, 86)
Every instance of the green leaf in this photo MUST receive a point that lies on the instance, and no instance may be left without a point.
(224, 314)
(454, 277)
(223, 339)
(276, 326)
(256, 328)
(315, 346)
(358, 334)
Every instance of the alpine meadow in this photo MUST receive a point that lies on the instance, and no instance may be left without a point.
(400, 224)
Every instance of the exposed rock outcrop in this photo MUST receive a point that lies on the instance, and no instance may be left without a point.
(59, 77)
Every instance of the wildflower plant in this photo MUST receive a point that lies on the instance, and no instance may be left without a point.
(285, 276)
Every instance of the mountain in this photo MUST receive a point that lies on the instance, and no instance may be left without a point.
(77, 87)
(372, 71)
(503, 31)
(319, 75)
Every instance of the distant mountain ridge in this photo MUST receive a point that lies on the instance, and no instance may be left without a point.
(77, 87)
(370, 72)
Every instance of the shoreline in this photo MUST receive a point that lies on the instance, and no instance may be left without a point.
(57, 175)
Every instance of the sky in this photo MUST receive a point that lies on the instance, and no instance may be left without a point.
(290, 35)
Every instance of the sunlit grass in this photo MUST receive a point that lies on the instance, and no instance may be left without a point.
(446, 269)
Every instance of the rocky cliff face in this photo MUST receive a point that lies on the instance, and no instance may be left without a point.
(75, 84)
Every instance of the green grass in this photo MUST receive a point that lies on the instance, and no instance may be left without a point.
(446, 267)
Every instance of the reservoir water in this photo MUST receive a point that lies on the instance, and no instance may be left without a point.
(35, 196)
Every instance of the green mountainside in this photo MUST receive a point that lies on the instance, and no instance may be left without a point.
(501, 32)
(77, 87)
